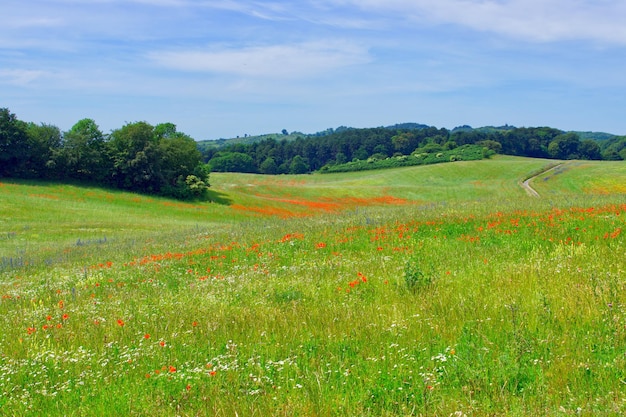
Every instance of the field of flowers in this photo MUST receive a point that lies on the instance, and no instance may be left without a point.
(320, 301)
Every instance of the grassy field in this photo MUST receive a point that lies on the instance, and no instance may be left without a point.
(438, 290)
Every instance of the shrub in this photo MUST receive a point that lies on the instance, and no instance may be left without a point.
(414, 277)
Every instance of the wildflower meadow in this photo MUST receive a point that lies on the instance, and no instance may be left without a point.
(440, 290)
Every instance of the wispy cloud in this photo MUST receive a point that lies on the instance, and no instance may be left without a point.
(532, 20)
(20, 77)
(276, 61)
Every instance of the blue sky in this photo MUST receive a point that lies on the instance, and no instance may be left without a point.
(225, 68)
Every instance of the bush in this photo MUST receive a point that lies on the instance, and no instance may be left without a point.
(414, 277)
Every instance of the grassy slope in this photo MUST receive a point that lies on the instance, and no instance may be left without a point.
(524, 314)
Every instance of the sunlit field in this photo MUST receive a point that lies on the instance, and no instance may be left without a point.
(441, 290)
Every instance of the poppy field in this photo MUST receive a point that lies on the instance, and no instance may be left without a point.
(424, 291)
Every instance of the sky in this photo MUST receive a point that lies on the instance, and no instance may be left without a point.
(227, 68)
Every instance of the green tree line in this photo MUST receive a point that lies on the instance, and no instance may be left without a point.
(137, 157)
(314, 152)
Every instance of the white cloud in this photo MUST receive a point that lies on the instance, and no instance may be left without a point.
(275, 61)
(532, 20)
(20, 76)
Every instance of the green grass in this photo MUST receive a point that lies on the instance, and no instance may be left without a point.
(438, 290)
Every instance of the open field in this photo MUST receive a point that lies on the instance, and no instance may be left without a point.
(436, 290)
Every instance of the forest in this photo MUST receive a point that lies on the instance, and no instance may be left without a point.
(334, 150)
(160, 160)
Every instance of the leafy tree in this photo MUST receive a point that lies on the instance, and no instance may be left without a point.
(232, 162)
(180, 155)
(83, 153)
(136, 158)
(402, 143)
(565, 146)
(298, 165)
(13, 144)
(45, 143)
(589, 149)
(491, 145)
(269, 166)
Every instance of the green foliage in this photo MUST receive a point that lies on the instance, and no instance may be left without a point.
(232, 162)
(13, 144)
(565, 146)
(463, 153)
(414, 277)
(137, 157)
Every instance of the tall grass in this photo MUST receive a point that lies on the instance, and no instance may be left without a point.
(468, 298)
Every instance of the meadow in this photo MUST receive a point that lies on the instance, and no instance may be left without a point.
(442, 290)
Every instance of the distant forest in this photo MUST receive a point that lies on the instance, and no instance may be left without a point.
(159, 160)
(324, 151)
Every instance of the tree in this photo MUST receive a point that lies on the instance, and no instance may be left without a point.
(402, 143)
(83, 153)
(181, 164)
(269, 166)
(565, 146)
(13, 144)
(491, 145)
(45, 144)
(589, 149)
(232, 162)
(298, 165)
(136, 158)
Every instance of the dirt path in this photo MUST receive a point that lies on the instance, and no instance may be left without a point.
(526, 184)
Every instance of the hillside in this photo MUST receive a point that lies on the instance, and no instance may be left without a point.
(429, 290)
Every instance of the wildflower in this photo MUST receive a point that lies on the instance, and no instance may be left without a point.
(120, 322)
(212, 373)
(162, 343)
(65, 316)
(148, 375)
(194, 324)
(188, 387)
(96, 322)
(31, 330)
(146, 336)
(172, 369)
(61, 304)
(320, 245)
(48, 317)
